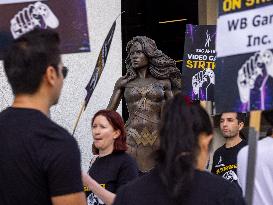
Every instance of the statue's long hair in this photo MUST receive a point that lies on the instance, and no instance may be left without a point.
(160, 65)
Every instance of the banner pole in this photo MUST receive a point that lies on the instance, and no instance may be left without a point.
(254, 129)
(203, 104)
(78, 118)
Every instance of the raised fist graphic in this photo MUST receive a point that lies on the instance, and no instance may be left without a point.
(253, 74)
(35, 15)
(208, 78)
(200, 83)
(197, 82)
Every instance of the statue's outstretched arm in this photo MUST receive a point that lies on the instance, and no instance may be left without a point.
(115, 99)
(117, 93)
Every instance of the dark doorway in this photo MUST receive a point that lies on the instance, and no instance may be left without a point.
(142, 17)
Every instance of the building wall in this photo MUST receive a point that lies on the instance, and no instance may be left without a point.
(101, 15)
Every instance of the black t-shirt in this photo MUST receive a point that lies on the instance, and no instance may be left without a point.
(111, 172)
(207, 189)
(38, 159)
(225, 161)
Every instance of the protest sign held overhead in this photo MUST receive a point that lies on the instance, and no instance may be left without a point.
(199, 62)
(244, 46)
(67, 17)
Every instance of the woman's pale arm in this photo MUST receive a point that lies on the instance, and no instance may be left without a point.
(106, 196)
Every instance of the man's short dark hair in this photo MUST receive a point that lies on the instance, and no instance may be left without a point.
(26, 60)
(241, 117)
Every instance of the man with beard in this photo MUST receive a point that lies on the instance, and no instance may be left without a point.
(39, 160)
(225, 157)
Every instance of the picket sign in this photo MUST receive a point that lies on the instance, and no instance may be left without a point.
(254, 130)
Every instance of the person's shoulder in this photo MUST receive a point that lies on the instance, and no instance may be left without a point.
(220, 190)
(4, 115)
(147, 189)
(243, 143)
(47, 129)
(143, 183)
(211, 178)
(28, 113)
(33, 121)
(219, 149)
(52, 130)
(243, 151)
(219, 184)
(267, 141)
(123, 157)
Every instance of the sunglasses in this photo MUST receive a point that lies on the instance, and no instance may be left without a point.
(64, 71)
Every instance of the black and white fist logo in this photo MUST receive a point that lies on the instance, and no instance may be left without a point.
(254, 73)
(35, 15)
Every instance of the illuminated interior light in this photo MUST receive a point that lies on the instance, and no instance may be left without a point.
(172, 21)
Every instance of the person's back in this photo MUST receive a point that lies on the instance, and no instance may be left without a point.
(180, 176)
(263, 182)
(206, 189)
(33, 150)
(39, 160)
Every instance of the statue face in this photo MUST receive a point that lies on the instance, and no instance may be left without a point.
(137, 57)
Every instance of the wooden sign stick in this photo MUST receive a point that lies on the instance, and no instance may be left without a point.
(203, 104)
(254, 129)
(78, 118)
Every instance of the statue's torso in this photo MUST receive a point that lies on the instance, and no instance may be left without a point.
(144, 102)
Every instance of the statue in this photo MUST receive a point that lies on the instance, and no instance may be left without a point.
(151, 79)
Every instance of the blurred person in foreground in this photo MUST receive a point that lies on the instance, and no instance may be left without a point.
(180, 176)
(39, 160)
(263, 182)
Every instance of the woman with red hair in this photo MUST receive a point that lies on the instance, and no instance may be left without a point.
(113, 167)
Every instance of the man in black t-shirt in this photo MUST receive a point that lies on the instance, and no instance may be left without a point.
(225, 157)
(39, 160)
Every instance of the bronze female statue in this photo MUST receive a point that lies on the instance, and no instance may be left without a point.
(152, 77)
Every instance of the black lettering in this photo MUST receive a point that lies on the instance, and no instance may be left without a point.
(234, 24)
(257, 40)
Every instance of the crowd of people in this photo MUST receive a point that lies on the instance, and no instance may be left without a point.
(40, 161)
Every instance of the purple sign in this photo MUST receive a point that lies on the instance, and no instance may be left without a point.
(199, 62)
